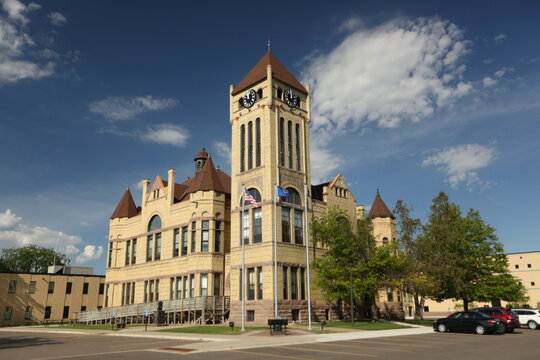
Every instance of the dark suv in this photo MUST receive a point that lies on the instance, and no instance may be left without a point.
(509, 318)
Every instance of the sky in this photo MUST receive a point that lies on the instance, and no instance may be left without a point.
(408, 97)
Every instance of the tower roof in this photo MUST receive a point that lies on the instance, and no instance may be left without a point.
(258, 73)
(202, 154)
(379, 208)
(126, 207)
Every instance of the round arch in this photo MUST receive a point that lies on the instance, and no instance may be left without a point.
(154, 223)
(253, 192)
(293, 197)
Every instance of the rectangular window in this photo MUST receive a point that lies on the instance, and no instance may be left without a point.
(109, 261)
(281, 142)
(250, 315)
(294, 283)
(149, 247)
(83, 308)
(128, 249)
(69, 285)
(298, 237)
(250, 145)
(259, 283)
(32, 287)
(289, 147)
(151, 291)
(298, 147)
(533, 283)
(192, 285)
(133, 293)
(217, 283)
(133, 251)
(242, 147)
(158, 247)
(157, 289)
(302, 283)
(251, 284)
(171, 289)
(184, 240)
(65, 314)
(7, 313)
(145, 292)
(245, 227)
(217, 237)
(179, 287)
(258, 142)
(517, 266)
(285, 284)
(285, 224)
(204, 285)
(47, 312)
(12, 286)
(128, 293)
(257, 225)
(185, 286)
(193, 236)
(107, 296)
(529, 266)
(241, 288)
(204, 235)
(85, 288)
(28, 313)
(176, 243)
(101, 288)
(50, 290)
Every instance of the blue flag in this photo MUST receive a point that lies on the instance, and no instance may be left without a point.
(281, 191)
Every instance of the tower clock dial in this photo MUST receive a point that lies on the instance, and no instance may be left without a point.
(290, 98)
(249, 98)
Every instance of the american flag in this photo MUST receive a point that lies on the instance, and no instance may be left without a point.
(249, 198)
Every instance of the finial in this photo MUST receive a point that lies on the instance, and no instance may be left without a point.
(268, 44)
(377, 191)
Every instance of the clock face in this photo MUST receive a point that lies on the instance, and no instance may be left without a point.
(290, 98)
(249, 98)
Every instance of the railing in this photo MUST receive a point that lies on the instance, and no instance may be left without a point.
(218, 304)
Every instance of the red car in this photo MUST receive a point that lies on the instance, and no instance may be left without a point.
(509, 318)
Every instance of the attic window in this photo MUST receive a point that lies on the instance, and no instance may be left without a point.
(259, 94)
(241, 103)
(155, 194)
(279, 93)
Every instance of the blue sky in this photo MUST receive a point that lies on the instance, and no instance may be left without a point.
(412, 98)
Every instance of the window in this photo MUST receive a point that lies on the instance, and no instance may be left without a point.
(533, 283)
(109, 261)
(259, 94)
(149, 247)
(65, 314)
(529, 266)
(128, 293)
(257, 225)
(157, 289)
(85, 288)
(151, 290)
(389, 295)
(204, 235)
(101, 288)
(259, 283)
(250, 145)
(250, 315)
(251, 284)
(258, 142)
(7, 312)
(385, 241)
(245, 226)
(191, 285)
(128, 249)
(256, 195)
(240, 293)
(193, 236)
(176, 242)
(12, 286)
(179, 287)
(47, 312)
(185, 286)
(50, 290)
(293, 197)
(279, 93)
(145, 292)
(302, 283)
(294, 283)
(171, 289)
(289, 147)
(298, 235)
(157, 255)
(134, 251)
(285, 284)
(285, 224)
(28, 313)
(297, 147)
(32, 287)
(295, 314)
(242, 147)
(517, 266)
(204, 284)
(217, 283)
(83, 308)
(107, 295)
(68, 287)
(281, 142)
(155, 223)
(217, 236)
(426, 308)
(184, 240)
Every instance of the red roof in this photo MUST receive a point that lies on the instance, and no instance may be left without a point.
(202, 154)
(126, 207)
(209, 178)
(258, 73)
(379, 208)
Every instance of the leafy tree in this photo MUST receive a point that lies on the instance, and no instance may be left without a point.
(352, 261)
(31, 258)
(465, 258)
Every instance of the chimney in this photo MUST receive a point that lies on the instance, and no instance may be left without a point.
(170, 185)
(145, 186)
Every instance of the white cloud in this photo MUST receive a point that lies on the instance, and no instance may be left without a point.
(166, 134)
(460, 163)
(9, 220)
(223, 150)
(17, 10)
(90, 252)
(489, 82)
(350, 24)
(125, 108)
(500, 37)
(57, 18)
(500, 73)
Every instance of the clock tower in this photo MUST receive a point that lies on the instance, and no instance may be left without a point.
(270, 117)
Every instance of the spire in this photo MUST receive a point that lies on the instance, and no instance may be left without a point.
(200, 160)
(379, 208)
(258, 73)
(126, 207)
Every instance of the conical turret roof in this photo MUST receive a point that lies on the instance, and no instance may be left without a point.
(379, 208)
(258, 73)
(202, 154)
(126, 207)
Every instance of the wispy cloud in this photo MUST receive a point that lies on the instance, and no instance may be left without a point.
(223, 150)
(166, 134)
(461, 163)
(57, 18)
(17, 11)
(125, 108)
(500, 37)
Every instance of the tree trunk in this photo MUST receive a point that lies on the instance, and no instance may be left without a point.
(465, 304)
(418, 307)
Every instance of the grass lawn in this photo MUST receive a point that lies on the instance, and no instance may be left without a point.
(211, 329)
(91, 327)
(420, 322)
(359, 325)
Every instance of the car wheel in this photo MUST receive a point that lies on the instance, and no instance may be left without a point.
(511, 330)
(442, 328)
(532, 325)
(504, 329)
(480, 330)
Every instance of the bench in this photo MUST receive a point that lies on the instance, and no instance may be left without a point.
(278, 326)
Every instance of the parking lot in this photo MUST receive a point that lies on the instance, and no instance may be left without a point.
(523, 344)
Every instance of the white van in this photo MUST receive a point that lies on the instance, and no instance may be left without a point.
(531, 317)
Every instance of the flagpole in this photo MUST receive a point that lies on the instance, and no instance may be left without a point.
(275, 255)
(243, 287)
(307, 256)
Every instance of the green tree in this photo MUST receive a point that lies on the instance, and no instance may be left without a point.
(352, 262)
(465, 258)
(31, 258)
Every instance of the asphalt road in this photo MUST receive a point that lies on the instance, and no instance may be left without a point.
(521, 345)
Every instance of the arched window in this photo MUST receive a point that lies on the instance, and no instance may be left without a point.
(242, 147)
(250, 145)
(289, 147)
(281, 142)
(292, 219)
(256, 195)
(253, 220)
(385, 240)
(258, 142)
(155, 223)
(293, 197)
(241, 103)
(297, 147)
(259, 94)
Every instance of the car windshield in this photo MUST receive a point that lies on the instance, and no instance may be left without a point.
(512, 313)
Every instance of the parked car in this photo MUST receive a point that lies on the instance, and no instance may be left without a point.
(469, 321)
(531, 317)
(508, 318)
